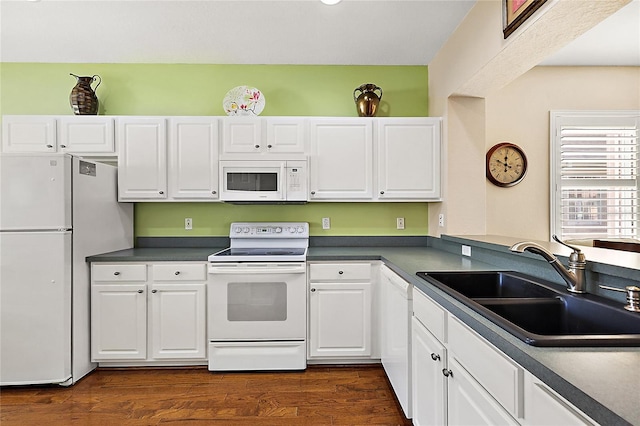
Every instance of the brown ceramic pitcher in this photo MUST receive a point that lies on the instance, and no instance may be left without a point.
(83, 98)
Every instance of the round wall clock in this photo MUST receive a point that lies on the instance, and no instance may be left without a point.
(506, 164)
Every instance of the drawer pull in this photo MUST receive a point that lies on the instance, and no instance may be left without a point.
(313, 290)
(116, 273)
(436, 357)
(340, 272)
(257, 146)
(177, 273)
(140, 291)
(447, 373)
(154, 291)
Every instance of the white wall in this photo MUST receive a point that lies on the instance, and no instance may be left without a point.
(519, 113)
(476, 62)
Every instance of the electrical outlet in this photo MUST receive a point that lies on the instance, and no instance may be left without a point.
(326, 223)
(400, 223)
(188, 223)
(441, 219)
(466, 250)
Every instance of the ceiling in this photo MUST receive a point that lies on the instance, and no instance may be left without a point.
(353, 32)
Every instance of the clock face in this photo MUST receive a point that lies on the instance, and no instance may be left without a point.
(506, 164)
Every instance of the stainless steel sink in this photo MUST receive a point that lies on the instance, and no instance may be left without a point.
(541, 313)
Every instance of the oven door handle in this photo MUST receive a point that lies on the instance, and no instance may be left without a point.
(237, 270)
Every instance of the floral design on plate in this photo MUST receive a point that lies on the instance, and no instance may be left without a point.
(243, 100)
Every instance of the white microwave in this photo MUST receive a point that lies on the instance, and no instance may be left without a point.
(257, 180)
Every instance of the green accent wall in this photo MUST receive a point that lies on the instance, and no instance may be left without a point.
(198, 89)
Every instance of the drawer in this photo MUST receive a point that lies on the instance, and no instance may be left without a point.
(179, 272)
(339, 271)
(430, 314)
(493, 370)
(118, 272)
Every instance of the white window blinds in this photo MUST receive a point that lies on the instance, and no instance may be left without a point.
(594, 174)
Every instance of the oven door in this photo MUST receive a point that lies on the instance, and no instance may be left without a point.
(257, 301)
(252, 181)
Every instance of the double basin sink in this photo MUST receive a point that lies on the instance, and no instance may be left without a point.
(538, 312)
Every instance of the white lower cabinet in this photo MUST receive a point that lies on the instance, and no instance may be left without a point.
(148, 313)
(340, 310)
(544, 407)
(459, 378)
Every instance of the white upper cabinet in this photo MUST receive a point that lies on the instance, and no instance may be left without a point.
(241, 135)
(22, 133)
(254, 135)
(341, 159)
(286, 135)
(193, 158)
(84, 135)
(142, 159)
(408, 158)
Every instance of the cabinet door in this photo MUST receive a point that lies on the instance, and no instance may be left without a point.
(408, 159)
(118, 321)
(544, 407)
(22, 133)
(241, 135)
(142, 159)
(469, 403)
(193, 158)
(177, 321)
(285, 135)
(86, 134)
(340, 320)
(429, 385)
(341, 159)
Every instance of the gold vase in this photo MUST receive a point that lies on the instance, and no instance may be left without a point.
(367, 100)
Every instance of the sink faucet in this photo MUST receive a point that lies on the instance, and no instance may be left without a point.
(574, 275)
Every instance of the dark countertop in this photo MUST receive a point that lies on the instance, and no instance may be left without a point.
(602, 382)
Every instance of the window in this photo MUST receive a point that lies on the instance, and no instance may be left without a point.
(594, 174)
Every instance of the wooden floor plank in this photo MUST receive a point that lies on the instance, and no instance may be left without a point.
(317, 396)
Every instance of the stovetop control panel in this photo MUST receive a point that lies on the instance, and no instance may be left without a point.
(269, 230)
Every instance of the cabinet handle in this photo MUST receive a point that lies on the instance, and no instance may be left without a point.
(381, 192)
(116, 273)
(313, 290)
(49, 146)
(257, 146)
(269, 146)
(154, 291)
(340, 272)
(447, 373)
(313, 192)
(214, 192)
(160, 192)
(177, 273)
(63, 146)
(435, 357)
(140, 291)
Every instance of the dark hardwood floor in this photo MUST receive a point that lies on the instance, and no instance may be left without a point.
(352, 395)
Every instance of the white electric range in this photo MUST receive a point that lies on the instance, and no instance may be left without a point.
(257, 298)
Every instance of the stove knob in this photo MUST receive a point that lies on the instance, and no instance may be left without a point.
(278, 230)
(292, 230)
(238, 230)
(300, 229)
(245, 230)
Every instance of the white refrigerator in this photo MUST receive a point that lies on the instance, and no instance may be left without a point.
(55, 210)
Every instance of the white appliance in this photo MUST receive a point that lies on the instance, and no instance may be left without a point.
(256, 298)
(263, 181)
(55, 210)
(396, 335)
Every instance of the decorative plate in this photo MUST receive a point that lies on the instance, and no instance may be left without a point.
(243, 100)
